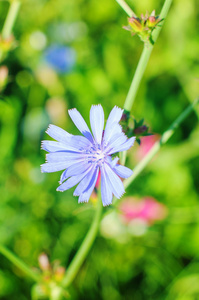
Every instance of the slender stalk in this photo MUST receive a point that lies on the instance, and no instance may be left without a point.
(85, 247)
(126, 8)
(142, 64)
(10, 19)
(165, 137)
(19, 263)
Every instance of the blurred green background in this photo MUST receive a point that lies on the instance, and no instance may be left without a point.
(159, 262)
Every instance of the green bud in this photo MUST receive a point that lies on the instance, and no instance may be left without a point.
(152, 21)
(7, 44)
(3, 77)
(143, 26)
(135, 24)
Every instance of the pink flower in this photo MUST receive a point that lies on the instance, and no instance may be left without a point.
(147, 143)
(146, 209)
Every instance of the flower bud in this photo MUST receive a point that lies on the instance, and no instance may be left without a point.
(44, 262)
(143, 26)
(140, 130)
(3, 77)
(59, 273)
(125, 116)
(6, 44)
(152, 21)
(135, 24)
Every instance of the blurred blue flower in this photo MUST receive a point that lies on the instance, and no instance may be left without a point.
(84, 156)
(60, 58)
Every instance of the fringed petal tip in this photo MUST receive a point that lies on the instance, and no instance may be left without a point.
(76, 194)
(105, 204)
(59, 190)
(83, 198)
(121, 195)
(49, 128)
(82, 201)
(118, 108)
(42, 147)
(71, 110)
(41, 166)
(96, 105)
(117, 111)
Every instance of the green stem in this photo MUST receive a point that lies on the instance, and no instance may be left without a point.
(10, 19)
(85, 247)
(142, 64)
(19, 263)
(126, 8)
(165, 137)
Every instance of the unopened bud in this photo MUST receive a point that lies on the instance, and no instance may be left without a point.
(59, 273)
(3, 77)
(44, 262)
(7, 44)
(135, 24)
(140, 130)
(143, 26)
(125, 116)
(152, 21)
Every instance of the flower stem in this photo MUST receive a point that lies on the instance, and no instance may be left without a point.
(19, 263)
(85, 246)
(10, 19)
(165, 137)
(126, 8)
(142, 64)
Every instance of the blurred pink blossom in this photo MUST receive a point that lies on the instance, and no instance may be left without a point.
(147, 143)
(146, 209)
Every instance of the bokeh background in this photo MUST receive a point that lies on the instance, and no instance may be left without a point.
(74, 54)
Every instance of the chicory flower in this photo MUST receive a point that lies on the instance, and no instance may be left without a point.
(60, 58)
(82, 157)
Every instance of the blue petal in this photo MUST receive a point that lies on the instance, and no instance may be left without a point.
(112, 124)
(115, 182)
(64, 156)
(106, 190)
(122, 147)
(74, 143)
(114, 116)
(72, 181)
(84, 197)
(80, 123)
(110, 131)
(122, 171)
(74, 169)
(80, 142)
(116, 140)
(58, 133)
(54, 167)
(51, 146)
(112, 162)
(82, 186)
(97, 122)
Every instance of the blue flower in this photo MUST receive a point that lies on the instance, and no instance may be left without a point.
(82, 157)
(61, 58)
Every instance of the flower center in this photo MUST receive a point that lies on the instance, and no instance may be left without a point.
(96, 155)
(99, 155)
